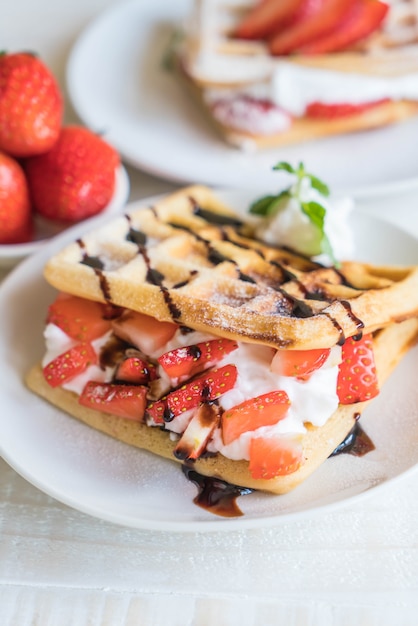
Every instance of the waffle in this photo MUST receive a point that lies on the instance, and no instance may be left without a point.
(191, 260)
(390, 345)
(216, 67)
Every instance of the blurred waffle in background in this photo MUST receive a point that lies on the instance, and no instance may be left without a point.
(263, 87)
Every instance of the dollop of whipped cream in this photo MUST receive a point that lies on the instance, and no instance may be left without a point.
(294, 87)
(312, 401)
(291, 224)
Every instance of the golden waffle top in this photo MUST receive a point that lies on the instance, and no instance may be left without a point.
(191, 260)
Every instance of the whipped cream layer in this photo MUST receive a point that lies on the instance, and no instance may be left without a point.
(294, 87)
(312, 401)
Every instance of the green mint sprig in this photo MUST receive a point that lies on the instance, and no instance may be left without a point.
(267, 206)
(300, 173)
(169, 55)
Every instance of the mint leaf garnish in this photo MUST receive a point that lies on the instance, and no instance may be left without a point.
(316, 213)
(318, 185)
(300, 173)
(283, 165)
(267, 206)
(169, 54)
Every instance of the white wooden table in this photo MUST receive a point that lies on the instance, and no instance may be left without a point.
(357, 565)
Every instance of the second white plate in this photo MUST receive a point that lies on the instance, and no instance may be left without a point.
(119, 87)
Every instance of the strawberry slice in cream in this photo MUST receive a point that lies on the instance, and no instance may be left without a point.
(231, 377)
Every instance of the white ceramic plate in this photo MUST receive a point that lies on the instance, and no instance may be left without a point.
(11, 254)
(118, 86)
(107, 479)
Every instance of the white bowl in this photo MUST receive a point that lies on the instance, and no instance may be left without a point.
(11, 254)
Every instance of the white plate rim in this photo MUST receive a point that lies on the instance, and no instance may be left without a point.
(33, 265)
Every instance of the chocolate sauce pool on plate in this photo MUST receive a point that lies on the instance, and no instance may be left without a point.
(215, 495)
(220, 498)
(357, 443)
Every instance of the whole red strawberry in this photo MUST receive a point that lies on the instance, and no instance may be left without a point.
(76, 178)
(15, 210)
(31, 105)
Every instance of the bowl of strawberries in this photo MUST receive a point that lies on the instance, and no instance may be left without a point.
(52, 175)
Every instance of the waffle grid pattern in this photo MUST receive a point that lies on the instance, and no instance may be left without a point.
(173, 262)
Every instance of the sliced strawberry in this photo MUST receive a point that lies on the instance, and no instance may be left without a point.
(266, 17)
(79, 318)
(265, 410)
(69, 364)
(143, 331)
(121, 400)
(320, 110)
(357, 378)
(271, 457)
(362, 19)
(133, 369)
(205, 388)
(299, 363)
(321, 18)
(198, 432)
(157, 412)
(191, 360)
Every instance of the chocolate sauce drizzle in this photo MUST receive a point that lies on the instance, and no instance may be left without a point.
(215, 495)
(156, 278)
(97, 265)
(358, 323)
(136, 236)
(212, 217)
(214, 256)
(92, 261)
(298, 307)
(295, 306)
(153, 276)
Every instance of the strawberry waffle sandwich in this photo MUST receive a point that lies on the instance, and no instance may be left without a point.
(177, 330)
(276, 72)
